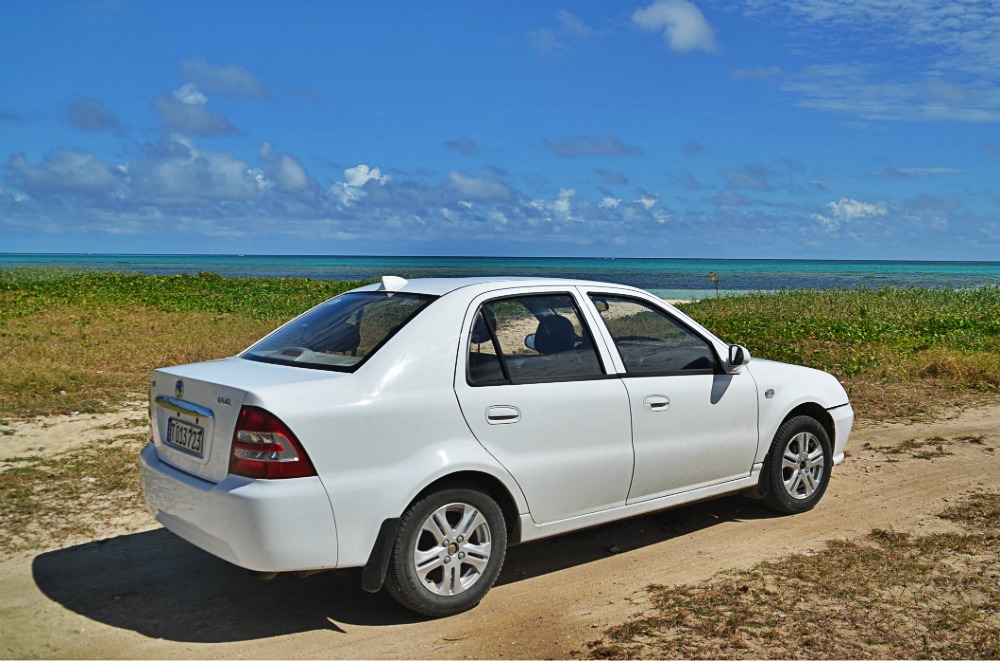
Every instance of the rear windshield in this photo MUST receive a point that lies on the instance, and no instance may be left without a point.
(341, 333)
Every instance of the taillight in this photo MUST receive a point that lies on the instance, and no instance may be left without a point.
(264, 447)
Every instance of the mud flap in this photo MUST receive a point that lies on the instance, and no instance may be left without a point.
(373, 575)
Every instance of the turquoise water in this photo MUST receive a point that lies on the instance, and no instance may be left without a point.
(670, 277)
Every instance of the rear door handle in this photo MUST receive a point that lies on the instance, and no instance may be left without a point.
(502, 414)
(656, 403)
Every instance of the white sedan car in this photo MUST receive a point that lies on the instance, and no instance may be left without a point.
(418, 428)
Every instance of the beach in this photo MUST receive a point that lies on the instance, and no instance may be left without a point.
(80, 554)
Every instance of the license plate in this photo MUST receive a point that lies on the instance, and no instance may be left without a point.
(189, 438)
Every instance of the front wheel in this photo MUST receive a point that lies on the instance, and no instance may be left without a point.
(798, 466)
(449, 549)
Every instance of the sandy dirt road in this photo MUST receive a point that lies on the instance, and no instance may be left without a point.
(150, 595)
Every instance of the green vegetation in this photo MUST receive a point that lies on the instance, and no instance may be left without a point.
(72, 341)
(901, 351)
(889, 596)
(886, 333)
(87, 341)
(27, 291)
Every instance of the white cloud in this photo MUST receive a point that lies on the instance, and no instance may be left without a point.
(231, 82)
(289, 174)
(953, 35)
(65, 171)
(186, 113)
(858, 89)
(683, 25)
(945, 57)
(752, 176)
(176, 173)
(573, 25)
(545, 41)
(188, 93)
(609, 203)
(648, 201)
(351, 191)
(848, 210)
(260, 179)
(361, 174)
(89, 114)
(283, 171)
(482, 187)
(563, 204)
(497, 217)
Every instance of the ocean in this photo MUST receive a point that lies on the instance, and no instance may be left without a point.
(667, 277)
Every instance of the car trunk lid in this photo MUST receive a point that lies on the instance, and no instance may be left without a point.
(194, 409)
(192, 423)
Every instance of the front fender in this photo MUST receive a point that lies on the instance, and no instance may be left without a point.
(782, 388)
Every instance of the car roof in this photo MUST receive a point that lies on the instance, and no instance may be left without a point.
(442, 286)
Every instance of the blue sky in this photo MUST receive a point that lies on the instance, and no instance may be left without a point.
(757, 129)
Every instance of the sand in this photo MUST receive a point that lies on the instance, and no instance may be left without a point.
(140, 592)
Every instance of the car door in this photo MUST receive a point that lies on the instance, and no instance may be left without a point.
(692, 425)
(534, 391)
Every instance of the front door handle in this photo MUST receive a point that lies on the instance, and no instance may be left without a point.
(656, 403)
(502, 414)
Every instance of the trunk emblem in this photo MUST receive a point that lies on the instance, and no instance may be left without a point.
(179, 388)
(225, 401)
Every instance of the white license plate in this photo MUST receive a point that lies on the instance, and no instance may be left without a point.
(189, 438)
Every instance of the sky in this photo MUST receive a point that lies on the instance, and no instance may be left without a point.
(814, 129)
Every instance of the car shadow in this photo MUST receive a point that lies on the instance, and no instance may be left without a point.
(581, 547)
(157, 585)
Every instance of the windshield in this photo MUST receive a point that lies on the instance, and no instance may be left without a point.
(341, 333)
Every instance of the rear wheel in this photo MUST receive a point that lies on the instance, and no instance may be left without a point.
(449, 549)
(799, 465)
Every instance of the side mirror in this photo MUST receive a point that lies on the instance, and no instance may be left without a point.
(602, 305)
(739, 356)
(529, 341)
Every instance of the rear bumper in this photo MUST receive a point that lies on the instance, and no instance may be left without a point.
(265, 525)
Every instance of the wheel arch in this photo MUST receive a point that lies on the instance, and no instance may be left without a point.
(818, 413)
(814, 411)
(374, 573)
(489, 485)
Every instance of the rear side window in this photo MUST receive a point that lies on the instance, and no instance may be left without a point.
(530, 339)
(651, 342)
(341, 333)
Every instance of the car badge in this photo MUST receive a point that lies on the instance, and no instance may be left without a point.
(179, 388)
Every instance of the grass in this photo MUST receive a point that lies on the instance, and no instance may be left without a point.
(86, 342)
(50, 499)
(901, 352)
(72, 341)
(890, 595)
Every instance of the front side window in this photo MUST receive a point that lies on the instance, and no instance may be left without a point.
(341, 333)
(530, 339)
(651, 342)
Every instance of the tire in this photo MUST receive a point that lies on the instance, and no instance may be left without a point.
(798, 466)
(449, 549)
